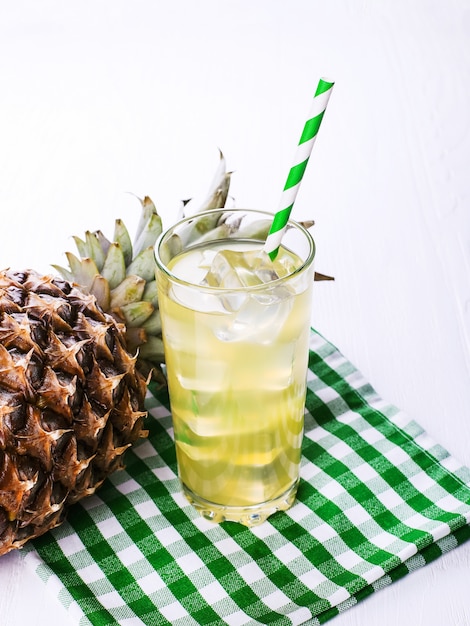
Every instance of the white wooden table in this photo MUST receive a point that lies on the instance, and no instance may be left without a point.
(102, 98)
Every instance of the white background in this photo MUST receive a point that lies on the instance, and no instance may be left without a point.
(99, 98)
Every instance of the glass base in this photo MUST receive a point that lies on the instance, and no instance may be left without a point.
(246, 515)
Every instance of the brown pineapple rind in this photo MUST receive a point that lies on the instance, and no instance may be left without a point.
(71, 402)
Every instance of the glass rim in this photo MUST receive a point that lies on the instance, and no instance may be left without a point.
(220, 290)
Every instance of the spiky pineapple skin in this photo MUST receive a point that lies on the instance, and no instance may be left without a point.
(71, 401)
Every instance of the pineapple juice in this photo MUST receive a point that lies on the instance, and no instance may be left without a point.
(236, 329)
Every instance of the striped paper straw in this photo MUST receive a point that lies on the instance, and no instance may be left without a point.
(304, 148)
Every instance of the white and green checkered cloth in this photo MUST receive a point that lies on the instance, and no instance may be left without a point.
(377, 500)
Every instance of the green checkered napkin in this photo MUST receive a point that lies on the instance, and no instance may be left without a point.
(377, 500)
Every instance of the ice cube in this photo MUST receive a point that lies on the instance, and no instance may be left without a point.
(206, 259)
(236, 269)
(259, 314)
(260, 319)
(222, 274)
(264, 268)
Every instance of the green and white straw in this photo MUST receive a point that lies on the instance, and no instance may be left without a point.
(304, 148)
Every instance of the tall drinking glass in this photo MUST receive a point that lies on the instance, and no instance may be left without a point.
(236, 330)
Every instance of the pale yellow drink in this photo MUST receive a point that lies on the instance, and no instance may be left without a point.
(236, 365)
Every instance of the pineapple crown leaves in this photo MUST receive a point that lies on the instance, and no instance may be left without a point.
(219, 188)
(114, 258)
(120, 273)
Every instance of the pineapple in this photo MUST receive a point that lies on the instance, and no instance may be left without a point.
(71, 401)
(121, 275)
